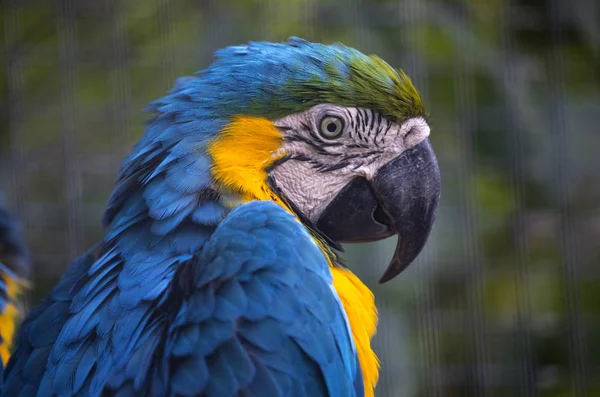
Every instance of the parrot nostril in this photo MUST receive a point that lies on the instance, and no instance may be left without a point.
(410, 132)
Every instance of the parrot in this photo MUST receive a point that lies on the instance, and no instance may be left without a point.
(220, 272)
(14, 271)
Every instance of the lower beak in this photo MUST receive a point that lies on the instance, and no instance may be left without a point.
(401, 198)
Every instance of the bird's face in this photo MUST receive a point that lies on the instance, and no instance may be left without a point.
(358, 176)
(337, 137)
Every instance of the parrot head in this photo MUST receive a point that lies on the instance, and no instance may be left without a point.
(337, 137)
(352, 157)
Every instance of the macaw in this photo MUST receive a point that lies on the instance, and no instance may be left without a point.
(219, 273)
(14, 271)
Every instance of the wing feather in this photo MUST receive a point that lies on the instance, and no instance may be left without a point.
(275, 316)
(252, 312)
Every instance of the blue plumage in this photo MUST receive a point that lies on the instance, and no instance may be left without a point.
(185, 296)
(291, 331)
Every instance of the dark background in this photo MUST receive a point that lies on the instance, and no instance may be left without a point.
(505, 300)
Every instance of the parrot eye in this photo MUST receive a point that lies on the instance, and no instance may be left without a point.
(331, 126)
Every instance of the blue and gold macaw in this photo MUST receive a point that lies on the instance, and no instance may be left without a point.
(218, 274)
(14, 271)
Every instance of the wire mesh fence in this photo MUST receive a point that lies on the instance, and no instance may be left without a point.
(504, 300)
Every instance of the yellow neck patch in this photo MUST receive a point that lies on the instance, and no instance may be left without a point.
(9, 317)
(241, 153)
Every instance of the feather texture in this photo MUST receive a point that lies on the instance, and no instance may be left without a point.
(240, 316)
(299, 335)
(185, 296)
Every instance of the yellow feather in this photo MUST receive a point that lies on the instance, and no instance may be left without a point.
(10, 316)
(360, 308)
(241, 154)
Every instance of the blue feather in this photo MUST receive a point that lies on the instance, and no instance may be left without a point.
(185, 340)
(82, 322)
(231, 370)
(189, 175)
(49, 324)
(201, 305)
(264, 384)
(36, 363)
(214, 332)
(231, 301)
(260, 303)
(100, 264)
(45, 388)
(209, 213)
(84, 367)
(138, 366)
(178, 204)
(260, 334)
(164, 226)
(190, 239)
(190, 376)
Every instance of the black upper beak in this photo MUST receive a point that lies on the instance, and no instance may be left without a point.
(401, 199)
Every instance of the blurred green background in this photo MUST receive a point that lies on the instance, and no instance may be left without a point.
(505, 299)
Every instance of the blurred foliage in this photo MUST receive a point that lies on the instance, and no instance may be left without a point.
(504, 300)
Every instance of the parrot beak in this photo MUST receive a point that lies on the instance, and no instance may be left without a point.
(401, 198)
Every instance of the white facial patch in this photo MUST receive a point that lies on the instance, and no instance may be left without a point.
(318, 165)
